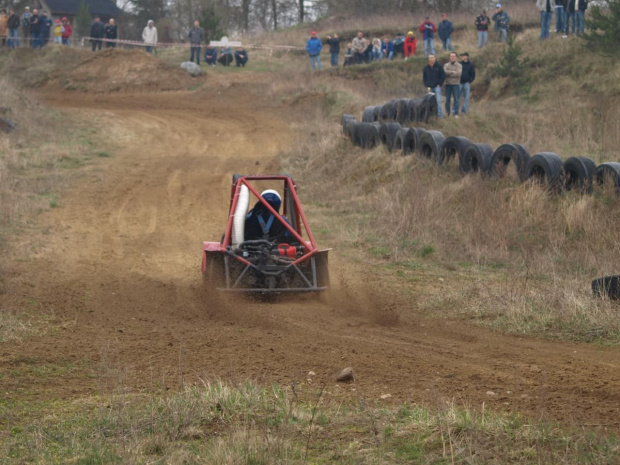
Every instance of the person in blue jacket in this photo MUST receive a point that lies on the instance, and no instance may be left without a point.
(445, 30)
(46, 25)
(314, 47)
(241, 56)
(387, 49)
(210, 55)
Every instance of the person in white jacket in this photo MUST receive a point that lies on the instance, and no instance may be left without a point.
(149, 35)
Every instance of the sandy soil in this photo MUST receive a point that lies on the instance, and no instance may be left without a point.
(120, 271)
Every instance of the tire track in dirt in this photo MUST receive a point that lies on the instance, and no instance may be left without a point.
(122, 263)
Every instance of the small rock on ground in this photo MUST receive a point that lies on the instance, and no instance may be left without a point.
(345, 375)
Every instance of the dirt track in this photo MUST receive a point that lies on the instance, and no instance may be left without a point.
(120, 270)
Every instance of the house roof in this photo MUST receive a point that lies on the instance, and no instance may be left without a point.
(71, 7)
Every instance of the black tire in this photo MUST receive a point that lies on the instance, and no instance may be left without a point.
(368, 114)
(430, 144)
(388, 134)
(579, 173)
(354, 133)
(398, 141)
(402, 111)
(504, 155)
(375, 113)
(388, 112)
(609, 173)
(410, 138)
(413, 108)
(369, 135)
(428, 108)
(608, 286)
(345, 121)
(453, 148)
(546, 169)
(477, 159)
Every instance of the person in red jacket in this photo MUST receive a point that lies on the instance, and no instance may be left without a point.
(428, 29)
(67, 31)
(410, 44)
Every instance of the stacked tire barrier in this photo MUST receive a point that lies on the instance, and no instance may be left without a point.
(389, 125)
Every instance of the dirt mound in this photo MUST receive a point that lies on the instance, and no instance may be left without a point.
(115, 70)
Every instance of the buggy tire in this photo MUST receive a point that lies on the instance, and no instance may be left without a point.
(507, 153)
(388, 134)
(607, 172)
(477, 158)
(546, 169)
(367, 114)
(453, 147)
(430, 144)
(608, 286)
(579, 173)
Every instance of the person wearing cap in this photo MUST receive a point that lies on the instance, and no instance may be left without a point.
(260, 223)
(26, 24)
(58, 30)
(399, 44)
(546, 10)
(482, 26)
(433, 76)
(359, 47)
(453, 70)
(502, 21)
(410, 44)
(468, 74)
(428, 29)
(334, 49)
(445, 31)
(13, 24)
(67, 31)
(314, 47)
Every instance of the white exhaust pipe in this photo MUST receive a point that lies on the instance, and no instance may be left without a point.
(239, 217)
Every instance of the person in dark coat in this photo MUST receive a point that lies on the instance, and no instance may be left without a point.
(196, 37)
(97, 32)
(260, 223)
(226, 56)
(210, 55)
(35, 29)
(13, 24)
(468, 74)
(111, 32)
(334, 48)
(445, 30)
(433, 77)
(46, 27)
(241, 56)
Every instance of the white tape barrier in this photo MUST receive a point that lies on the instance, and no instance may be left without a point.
(215, 43)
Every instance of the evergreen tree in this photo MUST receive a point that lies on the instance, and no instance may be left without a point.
(83, 19)
(210, 22)
(603, 29)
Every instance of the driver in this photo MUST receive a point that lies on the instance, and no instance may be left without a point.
(260, 223)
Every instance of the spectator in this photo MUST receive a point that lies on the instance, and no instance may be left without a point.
(334, 49)
(546, 10)
(368, 52)
(58, 30)
(376, 49)
(468, 74)
(13, 24)
(35, 29)
(68, 32)
(46, 27)
(196, 36)
(210, 55)
(482, 26)
(4, 28)
(569, 17)
(387, 49)
(445, 32)
(428, 29)
(453, 71)
(349, 57)
(226, 56)
(149, 36)
(241, 57)
(314, 47)
(410, 44)
(502, 20)
(26, 24)
(559, 16)
(433, 77)
(359, 47)
(111, 33)
(582, 6)
(399, 44)
(97, 31)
